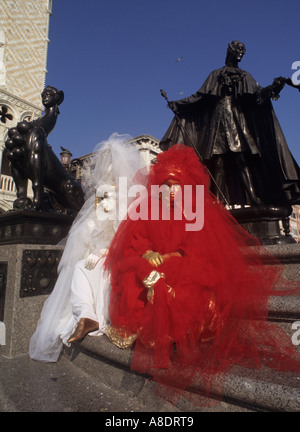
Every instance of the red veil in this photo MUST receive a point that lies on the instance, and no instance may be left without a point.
(210, 305)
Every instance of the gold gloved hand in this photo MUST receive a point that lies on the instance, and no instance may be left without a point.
(154, 258)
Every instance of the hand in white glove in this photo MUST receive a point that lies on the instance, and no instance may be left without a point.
(91, 262)
(93, 259)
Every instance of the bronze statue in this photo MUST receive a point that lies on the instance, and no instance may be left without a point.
(31, 157)
(231, 124)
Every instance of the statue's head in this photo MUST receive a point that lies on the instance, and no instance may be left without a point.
(51, 96)
(235, 52)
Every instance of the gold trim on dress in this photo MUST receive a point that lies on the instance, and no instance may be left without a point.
(149, 283)
(151, 280)
(120, 337)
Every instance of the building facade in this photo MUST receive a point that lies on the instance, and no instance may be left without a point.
(24, 31)
(147, 145)
(295, 223)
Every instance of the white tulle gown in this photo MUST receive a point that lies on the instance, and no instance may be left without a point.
(83, 287)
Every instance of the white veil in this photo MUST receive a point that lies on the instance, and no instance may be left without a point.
(112, 159)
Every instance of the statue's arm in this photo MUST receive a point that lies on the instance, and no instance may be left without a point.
(188, 103)
(194, 98)
(272, 91)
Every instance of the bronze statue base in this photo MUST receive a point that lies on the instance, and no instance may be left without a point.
(269, 224)
(33, 227)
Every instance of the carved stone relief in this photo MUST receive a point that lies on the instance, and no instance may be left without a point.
(39, 271)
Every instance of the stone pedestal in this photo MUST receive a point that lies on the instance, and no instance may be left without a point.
(28, 273)
(270, 224)
(29, 256)
(33, 227)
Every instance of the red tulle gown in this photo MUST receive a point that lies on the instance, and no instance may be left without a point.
(208, 308)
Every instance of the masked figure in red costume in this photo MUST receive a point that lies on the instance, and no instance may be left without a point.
(193, 298)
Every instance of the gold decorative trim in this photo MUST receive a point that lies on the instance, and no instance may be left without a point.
(120, 337)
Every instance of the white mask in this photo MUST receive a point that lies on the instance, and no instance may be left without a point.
(105, 202)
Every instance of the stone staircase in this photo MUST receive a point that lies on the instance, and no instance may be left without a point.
(246, 390)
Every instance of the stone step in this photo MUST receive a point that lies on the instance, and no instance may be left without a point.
(246, 390)
(284, 308)
(288, 255)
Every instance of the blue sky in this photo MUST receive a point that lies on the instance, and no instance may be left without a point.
(112, 57)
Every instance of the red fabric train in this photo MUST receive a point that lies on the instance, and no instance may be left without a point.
(204, 308)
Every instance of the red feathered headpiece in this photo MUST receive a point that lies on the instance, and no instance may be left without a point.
(180, 163)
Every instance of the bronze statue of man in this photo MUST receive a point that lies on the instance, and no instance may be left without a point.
(231, 123)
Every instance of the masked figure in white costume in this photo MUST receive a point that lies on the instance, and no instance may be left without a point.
(78, 304)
